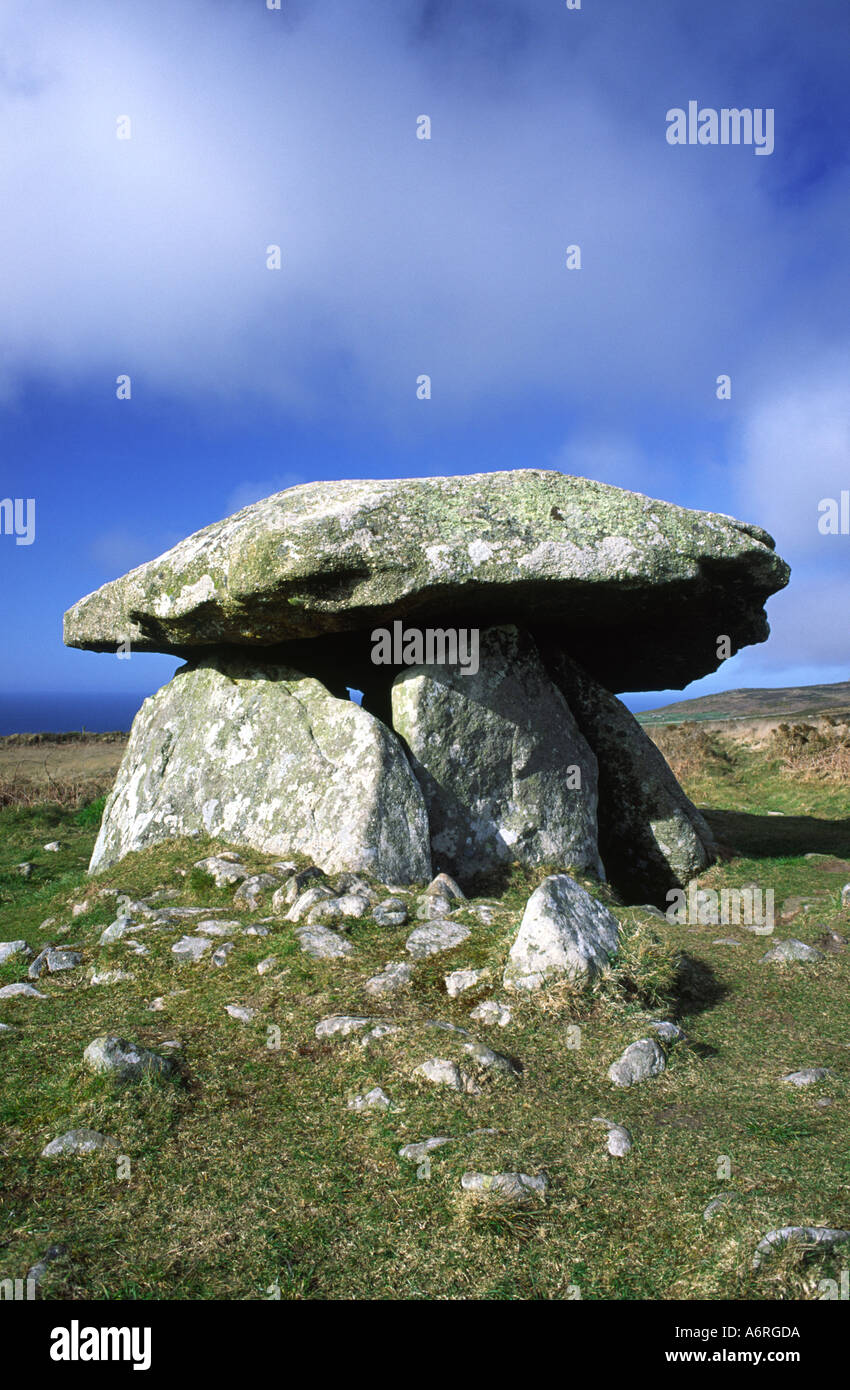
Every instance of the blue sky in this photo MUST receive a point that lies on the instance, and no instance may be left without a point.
(400, 256)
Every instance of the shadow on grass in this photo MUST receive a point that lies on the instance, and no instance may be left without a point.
(775, 837)
(696, 986)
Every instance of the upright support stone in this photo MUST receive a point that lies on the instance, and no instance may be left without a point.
(267, 758)
(651, 837)
(507, 776)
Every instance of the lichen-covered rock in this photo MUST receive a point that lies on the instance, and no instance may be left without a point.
(53, 961)
(13, 948)
(619, 570)
(651, 837)
(224, 871)
(126, 1060)
(265, 757)
(77, 1142)
(510, 1188)
(639, 1061)
(323, 944)
(564, 931)
(396, 975)
(433, 937)
(825, 1237)
(507, 776)
(786, 951)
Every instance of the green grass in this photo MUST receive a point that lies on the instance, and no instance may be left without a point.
(245, 1173)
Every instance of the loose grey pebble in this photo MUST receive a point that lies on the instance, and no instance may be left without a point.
(415, 1153)
(323, 944)
(717, 1203)
(491, 1012)
(826, 1236)
(619, 1138)
(459, 980)
(430, 939)
(11, 991)
(241, 1012)
(808, 1076)
(376, 1099)
(639, 1061)
(191, 948)
(790, 950)
(341, 1025)
(77, 1142)
(396, 975)
(13, 948)
(506, 1187)
(126, 1060)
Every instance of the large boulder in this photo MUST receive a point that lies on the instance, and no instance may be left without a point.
(506, 774)
(564, 931)
(651, 837)
(262, 756)
(624, 575)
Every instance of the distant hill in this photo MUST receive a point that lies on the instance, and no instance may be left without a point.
(789, 702)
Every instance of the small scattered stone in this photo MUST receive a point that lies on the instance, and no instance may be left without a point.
(392, 912)
(264, 966)
(191, 948)
(351, 906)
(323, 944)
(808, 1076)
(376, 1099)
(52, 847)
(378, 1031)
(490, 1060)
(443, 1072)
(25, 869)
(640, 1060)
(825, 1236)
(506, 1187)
(53, 962)
(619, 1138)
(223, 870)
(292, 889)
(341, 1025)
(110, 977)
(717, 1203)
(459, 980)
(430, 939)
(790, 950)
(396, 975)
(726, 941)
(415, 1153)
(77, 1142)
(210, 927)
(252, 891)
(157, 1005)
(489, 1011)
(11, 991)
(37, 1272)
(241, 1012)
(118, 929)
(13, 948)
(320, 892)
(668, 1032)
(221, 954)
(126, 1060)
